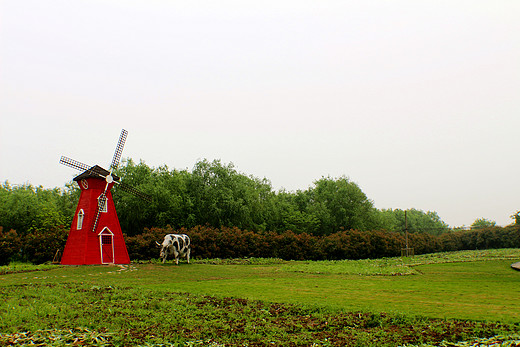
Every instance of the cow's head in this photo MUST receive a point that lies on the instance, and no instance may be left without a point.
(164, 249)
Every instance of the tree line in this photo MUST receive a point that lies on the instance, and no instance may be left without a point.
(215, 195)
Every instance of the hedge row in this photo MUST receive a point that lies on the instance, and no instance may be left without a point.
(38, 246)
(207, 242)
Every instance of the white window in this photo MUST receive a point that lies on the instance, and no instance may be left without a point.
(102, 203)
(81, 214)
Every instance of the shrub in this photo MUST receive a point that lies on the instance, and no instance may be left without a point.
(143, 246)
(226, 243)
(41, 245)
(10, 246)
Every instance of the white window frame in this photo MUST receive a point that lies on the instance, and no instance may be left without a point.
(106, 232)
(81, 216)
(105, 205)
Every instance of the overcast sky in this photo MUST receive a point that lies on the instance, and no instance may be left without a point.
(418, 102)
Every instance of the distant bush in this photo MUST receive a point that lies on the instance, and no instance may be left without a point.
(228, 243)
(41, 245)
(10, 245)
(143, 246)
(38, 246)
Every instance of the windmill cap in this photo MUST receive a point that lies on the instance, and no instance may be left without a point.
(95, 171)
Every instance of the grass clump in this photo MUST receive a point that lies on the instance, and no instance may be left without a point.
(397, 266)
(220, 261)
(465, 256)
(16, 267)
(366, 267)
(495, 341)
(241, 261)
(57, 337)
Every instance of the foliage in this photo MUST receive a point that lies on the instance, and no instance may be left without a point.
(216, 194)
(17, 267)
(115, 316)
(37, 220)
(143, 246)
(241, 261)
(26, 208)
(224, 197)
(228, 243)
(485, 238)
(365, 267)
(38, 246)
(516, 217)
(230, 214)
(10, 245)
(416, 221)
(57, 337)
(41, 245)
(495, 341)
(342, 205)
(213, 193)
(483, 223)
(398, 266)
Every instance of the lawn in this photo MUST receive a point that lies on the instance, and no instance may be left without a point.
(386, 302)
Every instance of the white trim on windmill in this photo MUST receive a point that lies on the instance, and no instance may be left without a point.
(106, 246)
(81, 216)
(102, 203)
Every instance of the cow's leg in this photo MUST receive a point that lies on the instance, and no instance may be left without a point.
(176, 255)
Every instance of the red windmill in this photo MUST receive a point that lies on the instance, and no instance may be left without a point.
(95, 235)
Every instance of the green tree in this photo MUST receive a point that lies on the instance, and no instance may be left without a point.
(134, 213)
(483, 223)
(516, 218)
(25, 207)
(213, 193)
(417, 221)
(290, 211)
(222, 196)
(341, 204)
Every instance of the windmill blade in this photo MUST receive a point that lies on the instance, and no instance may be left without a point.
(81, 166)
(100, 207)
(94, 225)
(74, 164)
(119, 149)
(135, 191)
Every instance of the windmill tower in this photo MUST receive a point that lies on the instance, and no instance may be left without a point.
(95, 236)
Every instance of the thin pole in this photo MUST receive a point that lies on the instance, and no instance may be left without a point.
(406, 233)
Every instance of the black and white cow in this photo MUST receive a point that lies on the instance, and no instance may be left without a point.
(177, 245)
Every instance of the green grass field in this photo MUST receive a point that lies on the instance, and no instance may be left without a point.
(461, 296)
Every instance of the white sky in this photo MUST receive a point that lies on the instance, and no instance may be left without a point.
(418, 102)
